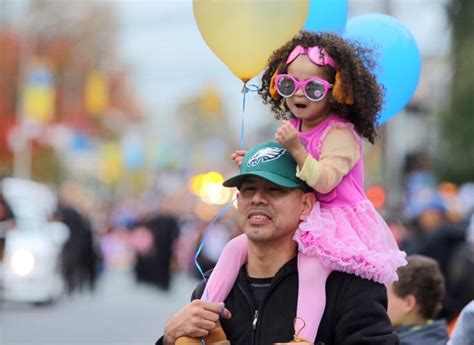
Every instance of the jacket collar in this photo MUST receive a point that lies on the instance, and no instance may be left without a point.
(289, 267)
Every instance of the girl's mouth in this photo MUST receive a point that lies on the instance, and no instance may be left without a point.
(300, 105)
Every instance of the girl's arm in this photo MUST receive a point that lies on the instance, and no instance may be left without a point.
(339, 154)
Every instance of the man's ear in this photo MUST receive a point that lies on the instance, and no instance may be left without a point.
(308, 200)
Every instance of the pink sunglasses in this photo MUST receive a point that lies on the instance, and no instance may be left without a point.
(315, 89)
(316, 54)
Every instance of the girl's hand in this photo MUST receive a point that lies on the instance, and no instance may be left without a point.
(238, 156)
(288, 136)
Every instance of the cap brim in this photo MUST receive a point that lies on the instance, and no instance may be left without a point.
(279, 180)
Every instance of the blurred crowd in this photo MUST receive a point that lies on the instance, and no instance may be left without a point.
(156, 236)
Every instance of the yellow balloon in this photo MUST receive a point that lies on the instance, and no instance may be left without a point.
(244, 33)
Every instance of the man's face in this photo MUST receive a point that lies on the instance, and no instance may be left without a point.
(268, 212)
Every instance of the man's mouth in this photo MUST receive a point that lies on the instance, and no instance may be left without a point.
(258, 216)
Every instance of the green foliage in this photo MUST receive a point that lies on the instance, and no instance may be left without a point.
(456, 154)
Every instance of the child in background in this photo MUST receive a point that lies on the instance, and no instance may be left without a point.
(414, 300)
(322, 88)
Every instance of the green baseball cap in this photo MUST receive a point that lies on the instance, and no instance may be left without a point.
(271, 161)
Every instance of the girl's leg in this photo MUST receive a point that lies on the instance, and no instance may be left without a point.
(226, 271)
(312, 276)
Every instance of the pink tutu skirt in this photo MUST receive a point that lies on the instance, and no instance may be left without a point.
(353, 239)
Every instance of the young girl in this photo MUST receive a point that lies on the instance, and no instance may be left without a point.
(323, 85)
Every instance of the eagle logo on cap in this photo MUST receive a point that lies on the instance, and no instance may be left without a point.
(265, 155)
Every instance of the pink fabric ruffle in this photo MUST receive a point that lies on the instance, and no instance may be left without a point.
(352, 239)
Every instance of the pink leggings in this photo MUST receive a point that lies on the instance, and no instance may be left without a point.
(312, 278)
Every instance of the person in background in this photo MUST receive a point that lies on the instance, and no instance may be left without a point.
(448, 244)
(415, 299)
(463, 333)
(80, 257)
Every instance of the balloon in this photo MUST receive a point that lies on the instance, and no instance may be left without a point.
(398, 58)
(327, 16)
(244, 33)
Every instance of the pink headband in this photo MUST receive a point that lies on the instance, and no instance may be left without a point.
(316, 54)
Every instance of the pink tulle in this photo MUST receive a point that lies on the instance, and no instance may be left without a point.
(354, 239)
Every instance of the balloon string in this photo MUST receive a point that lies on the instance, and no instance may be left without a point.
(201, 245)
(245, 89)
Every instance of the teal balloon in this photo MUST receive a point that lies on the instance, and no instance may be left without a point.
(327, 16)
(397, 55)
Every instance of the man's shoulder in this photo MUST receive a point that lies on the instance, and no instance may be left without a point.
(341, 281)
(349, 278)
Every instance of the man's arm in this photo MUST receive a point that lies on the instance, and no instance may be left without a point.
(362, 315)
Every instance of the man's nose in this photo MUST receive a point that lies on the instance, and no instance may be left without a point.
(259, 197)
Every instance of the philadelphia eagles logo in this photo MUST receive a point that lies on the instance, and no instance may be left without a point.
(265, 155)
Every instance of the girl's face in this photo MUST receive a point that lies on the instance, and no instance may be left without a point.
(309, 112)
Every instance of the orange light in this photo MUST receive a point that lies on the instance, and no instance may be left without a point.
(376, 194)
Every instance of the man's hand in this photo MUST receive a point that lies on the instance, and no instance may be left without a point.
(194, 320)
(238, 156)
(287, 135)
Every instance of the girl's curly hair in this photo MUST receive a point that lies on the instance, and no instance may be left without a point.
(354, 62)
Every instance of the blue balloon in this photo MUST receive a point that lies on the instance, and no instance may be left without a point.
(398, 58)
(327, 16)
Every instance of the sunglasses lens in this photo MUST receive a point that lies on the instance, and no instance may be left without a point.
(286, 86)
(314, 90)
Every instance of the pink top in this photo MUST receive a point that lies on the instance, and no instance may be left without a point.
(350, 190)
(344, 229)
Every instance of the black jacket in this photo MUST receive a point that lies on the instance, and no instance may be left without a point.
(355, 311)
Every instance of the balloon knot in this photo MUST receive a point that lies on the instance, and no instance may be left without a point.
(249, 88)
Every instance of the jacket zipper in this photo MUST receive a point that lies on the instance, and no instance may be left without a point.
(251, 304)
(255, 319)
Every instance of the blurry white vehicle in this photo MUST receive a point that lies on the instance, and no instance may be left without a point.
(31, 266)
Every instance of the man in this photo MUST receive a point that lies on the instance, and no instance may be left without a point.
(414, 300)
(261, 307)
